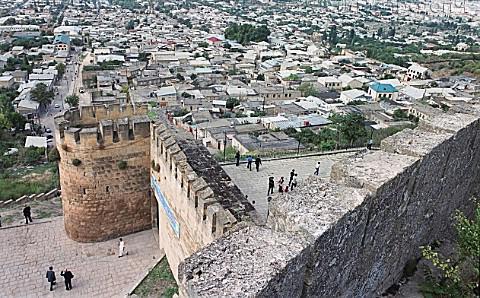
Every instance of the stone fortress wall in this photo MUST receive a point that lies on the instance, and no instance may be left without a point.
(104, 171)
(197, 201)
(350, 236)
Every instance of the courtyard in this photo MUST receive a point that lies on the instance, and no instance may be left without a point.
(26, 252)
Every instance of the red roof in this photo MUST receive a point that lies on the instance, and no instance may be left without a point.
(214, 39)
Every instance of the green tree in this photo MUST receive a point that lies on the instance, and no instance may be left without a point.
(307, 89)
(42, 95)
(380, 32)
(8, 117)
(25, 65)
(351, 126)
(72, 100)
(61, 69)
(130, 25)
(332, 36)
(232, 102)
(400, 114)
(245, 33)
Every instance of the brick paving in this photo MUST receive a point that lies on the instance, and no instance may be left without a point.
(255, 185)
(27, 251)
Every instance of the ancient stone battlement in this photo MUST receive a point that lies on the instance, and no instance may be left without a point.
(89, 127)
(350, 236)
(104, 171)
(199, 197)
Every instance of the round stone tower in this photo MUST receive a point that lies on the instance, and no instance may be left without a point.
(104, 171)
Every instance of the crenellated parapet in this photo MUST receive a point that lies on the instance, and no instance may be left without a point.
(200, 200)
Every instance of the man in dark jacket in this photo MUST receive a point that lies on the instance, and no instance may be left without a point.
(51, 277)
(67, 275)
(258, 162)
(27, 213)
(237, 158)
(271, 185)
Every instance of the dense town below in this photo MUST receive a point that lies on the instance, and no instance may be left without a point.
(269, 78)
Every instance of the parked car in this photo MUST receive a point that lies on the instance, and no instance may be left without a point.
(57, 106)
(10, 151)
(49, 137)
(48, 130)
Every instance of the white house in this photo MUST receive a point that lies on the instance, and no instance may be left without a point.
(415, 71)
(379, 91)
(330, 83)
(348, 81)
(353, 95)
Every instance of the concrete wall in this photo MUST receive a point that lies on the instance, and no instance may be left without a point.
(362, 226)
(102, 200)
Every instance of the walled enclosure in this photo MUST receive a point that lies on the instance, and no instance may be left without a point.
(350, 236)
(197, 200)
(104, 170)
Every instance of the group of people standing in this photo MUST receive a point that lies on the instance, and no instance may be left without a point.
(292, 183)
(67, 276)
(250, 160)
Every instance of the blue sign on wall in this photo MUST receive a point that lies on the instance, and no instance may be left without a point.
(168, 211)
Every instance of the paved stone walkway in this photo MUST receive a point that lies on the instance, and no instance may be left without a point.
(255, 185)
(27, 251)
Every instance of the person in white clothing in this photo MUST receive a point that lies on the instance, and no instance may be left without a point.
(121, 248)
(317, 169)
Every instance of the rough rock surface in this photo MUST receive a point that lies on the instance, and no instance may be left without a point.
(314, 208)
(250, 253)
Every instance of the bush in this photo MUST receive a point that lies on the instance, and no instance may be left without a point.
(53, 155)
(122, 165)
(76, 162)
(33, 155)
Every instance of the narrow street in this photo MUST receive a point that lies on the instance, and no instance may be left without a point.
(63, 88)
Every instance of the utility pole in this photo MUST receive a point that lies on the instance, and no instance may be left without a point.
(225, 146)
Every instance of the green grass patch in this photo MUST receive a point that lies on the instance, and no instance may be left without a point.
(28, 180)
(159, 282)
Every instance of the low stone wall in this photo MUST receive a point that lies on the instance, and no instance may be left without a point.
(357, 231)
(25, 199)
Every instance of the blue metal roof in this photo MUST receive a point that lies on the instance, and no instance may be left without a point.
(383, 88)
(62, 38)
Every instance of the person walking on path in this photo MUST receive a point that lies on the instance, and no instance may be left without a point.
(292, 174)
(249, 162)
(237, 157)
(317, 169)
(271, 185)
(121, 248)
(294, 183)
(280, 184)
(369, 144)
(51, 277)
(67, 276)
(258, 162)
(27, 212)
